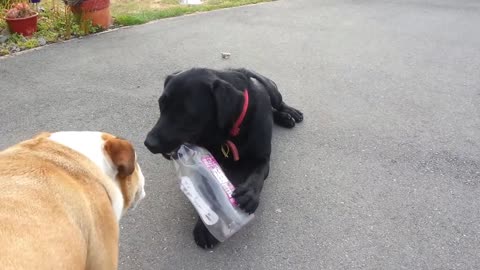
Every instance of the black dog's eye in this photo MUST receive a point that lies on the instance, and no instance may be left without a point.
(162, 102)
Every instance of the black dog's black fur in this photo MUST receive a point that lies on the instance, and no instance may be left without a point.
(200, 106)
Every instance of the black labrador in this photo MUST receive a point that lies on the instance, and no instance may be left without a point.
(230, 113)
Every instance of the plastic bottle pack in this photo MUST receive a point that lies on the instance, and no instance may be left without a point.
(208, 189)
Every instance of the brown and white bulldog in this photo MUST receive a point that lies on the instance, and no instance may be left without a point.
(61, 197)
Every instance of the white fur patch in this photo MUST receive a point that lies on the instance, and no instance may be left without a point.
(91, 145)
(141, 184)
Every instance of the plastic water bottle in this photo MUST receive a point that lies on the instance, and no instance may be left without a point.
(208, 189)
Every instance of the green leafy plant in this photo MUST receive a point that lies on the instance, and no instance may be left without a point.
(29, 44)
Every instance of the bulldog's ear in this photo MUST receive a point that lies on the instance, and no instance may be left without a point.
(227, 100)
(122, 155)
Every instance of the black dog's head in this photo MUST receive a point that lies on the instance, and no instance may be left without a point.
(195, 106)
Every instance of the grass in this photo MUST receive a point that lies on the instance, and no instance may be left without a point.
(132, 12)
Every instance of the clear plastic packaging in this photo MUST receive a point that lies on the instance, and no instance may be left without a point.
(208, 189)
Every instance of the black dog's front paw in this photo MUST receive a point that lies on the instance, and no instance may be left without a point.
(297, 115)
(283, 119)
(203, 237)
(247, 199)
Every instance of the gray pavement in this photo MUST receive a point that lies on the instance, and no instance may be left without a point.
(383, 174)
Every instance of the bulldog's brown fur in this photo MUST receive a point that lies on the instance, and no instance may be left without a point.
(56, 205)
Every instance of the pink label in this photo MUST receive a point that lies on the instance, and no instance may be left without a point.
(210, 162)
(217, 172)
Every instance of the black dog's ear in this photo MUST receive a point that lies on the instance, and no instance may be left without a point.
(167, 79)
(227, 101)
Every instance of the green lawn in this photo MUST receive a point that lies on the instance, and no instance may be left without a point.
(131, 12)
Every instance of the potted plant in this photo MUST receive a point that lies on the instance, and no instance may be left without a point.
(22, 19)
(95, 11)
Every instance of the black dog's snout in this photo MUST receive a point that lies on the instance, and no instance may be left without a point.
(158, 144)
(152, 144)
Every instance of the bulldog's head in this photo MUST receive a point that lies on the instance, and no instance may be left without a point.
(116, 157)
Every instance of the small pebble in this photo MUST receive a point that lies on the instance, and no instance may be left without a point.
(226, 55)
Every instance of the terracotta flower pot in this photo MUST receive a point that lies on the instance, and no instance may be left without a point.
(96, 11)
(23, 26)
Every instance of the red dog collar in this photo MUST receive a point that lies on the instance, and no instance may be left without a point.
(236, 127)
(229, 145)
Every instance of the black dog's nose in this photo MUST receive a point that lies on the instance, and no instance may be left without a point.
(157, 143)
(151, 144)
